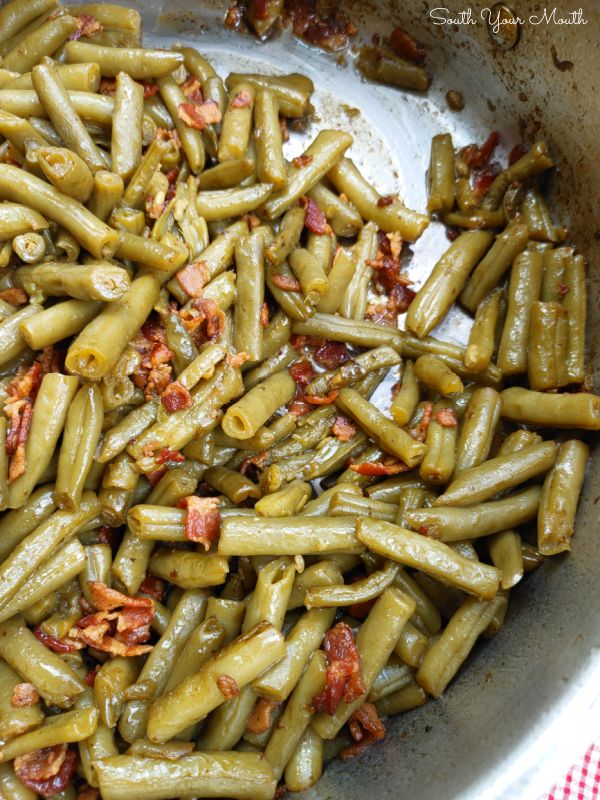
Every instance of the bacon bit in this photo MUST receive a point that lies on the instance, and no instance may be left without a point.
(192, 89)
(283, 127)
(172, 176)
(18, 461)
(446, 417)
(155, 587)
(106, 599)
(302, 372)
(14, 296)
(361, 610)
(154, 373)
(260, 719)
(108, 86)
(215, 319)
(344, 680)
(24, 695)
(176, 397)
(193, 278)
(264, 315)
(343, 429)
(452, 234)
(198, 116)
(242, 99)
(258, 460)
(235, 15)
(87, 26)
(47, 771)
(515, 154)
(251, 220)
(21, 393)
(150, 89)
(562, 289)
(107, 535)
(237, 360)
(286, 282)
(90, 676)
(173, 456)
(85, 607)
(420, 431)
(330, 32)
(367, 718)
(315, 400)
(406, 46)
(331, 355)
(484, 180)
(391, 466)
(299, 407)
(166, 135)
(227, 686)
(299, 340)
(314, 219)
(302, 161)
(156, 474)
(57, 645)
(261, 9)
(386, 200)
(477, 157)
(202, 519)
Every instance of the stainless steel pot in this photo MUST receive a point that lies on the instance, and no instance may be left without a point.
(529, 698)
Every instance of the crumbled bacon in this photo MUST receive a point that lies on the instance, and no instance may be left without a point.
(150, 89)
(264, 315)
(302, 161)
(258, 461)
(235, 15)
(390, 466)
(90, 675)
(483, 180)
(227, 686)
(361, 610)
(106, 599)
(171, 176)
(314, 219)
(14, 296)
(302, 372)
(24, 695)
(107, 535)
(193, 278)
(562, 289)
(236, 360)
(57, 645)
(327, 400)
(192, 89)
(199, 115)
(166, 456)
(406, 46)
(260, 719)
(155, 587)
(87, 26)
(299, 340)
(477, 157)
(242, 99)
(446, 417)
(330, 32)
(344, 680)
(202, 519)
(47, 771)
(515, 154)
(169, 135)
(343, 429)
(204, 320)
(419, 432)
(286, 283)
(155, 475)
(108, 87)
(365, 718)
(331, 355)
(176, 397)
(154, 372)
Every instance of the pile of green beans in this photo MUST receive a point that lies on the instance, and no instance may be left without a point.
(189, 363)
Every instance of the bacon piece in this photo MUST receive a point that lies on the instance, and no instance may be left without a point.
(24, 695)
(251, 220)
(330, 398)
(107, 535)
(215, 319)
(420, 431)
(406, 46)
(90, 675)
(258, 460)
(344, 680)
(18, 408)
(14, 296)
(192, 89)
(235, 15)
(87, 792)
(154, 372)
(176, 397)
(391, 466)
(446, 417)
(202, 519)
(364, 719)
(108, 87)
(57, 645)
(361, 610)
(242, 99)
(150, 89)
(260, 719)
(237, 360)
(477, 157)
(193, 278)
(264, 315)
(484, 180)
(133, 624)
(286, 282)
(227, 686)
(47, 771)
(172, 456)
(329, 32)
(314, 219)
(155, 587)
(302, 372)
(302, 161)
(261, 9)
(106, 599)
(87, 26)
(299, 340)
(343, 429)
(515, 154)
(331, 355)
(18, 461)
(169, 135)
(156, 474)
(198, 116)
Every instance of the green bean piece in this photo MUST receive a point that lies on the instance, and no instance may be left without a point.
(290, 229)
(453, 524)
(406, 699)
(389, 218)
(15, 16)
(16, 220)
(271, 595)
(270, 164)
(100, 281)
(354, 299)
(58, 322)
(226, 203)
(133, 424)
(353, 370)
(10, 785)
(560, 496)
(81, 435)
(12, 342)
(66, 171)
(189, 570)
(55, 681)
(17, 720)
(426, 612)
(137, 188)
(29, 247)
(362, 333)
(3, 466)
(237, 123)
(100, 240)
(554, 261)
(41, 42)
(74, 77)
(16, 525)
(286, 536)
(394, 675)
(341, 214)
(250, 283)
(480, 348)
(359, 592)
(547, 347)
(97, 348)
(452, 355)
(348, 504)
(439, 462)
(286, 502)
(108, 191)
(292, 91)
(276, 363)
(72, 726)
(442, 661)
(536, 216)
(551, 410)
(242, 776)
(446, 281)
(386, 434)
(227, 174)
(482, 482)
(232, 484)
(575, 302)
(291, 302)
(435, 375)
(137, 63)
(157, 258)
(478, 428)
(126, 151)
(536, 160)
(309, 272)
(191, 139)
(407, 397)
(505, 551)
(441, 174)
(305, 765)
(244, 418)
(385, 67)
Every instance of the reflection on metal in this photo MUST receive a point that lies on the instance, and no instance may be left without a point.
(503, 26)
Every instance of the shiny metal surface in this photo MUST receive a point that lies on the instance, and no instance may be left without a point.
(529, 699)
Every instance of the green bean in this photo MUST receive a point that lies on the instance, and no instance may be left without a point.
(305, 765)
(452, 355)
(532, 558)
(385, 67)
(505, 551)
(232, 484)
(3, 466)
(84, 282)
(551, 410)
(243, 776)
(391, 218)
(286, 536)
(107, 193)
(341, 214)
(237, 124)
(480, 348)
(435, 375)
(560, 496)
(465, 196)
(394, 676)
(478, 429)
(136, 62)
(227, 174)
(55, 681)
(482, 482)
(226, 203)
(354, 300)
(554, 261)
(250, 283)
(532, 163)
(16, 525)
(386, 434)
(189, 570)
(439, 462)
(441, 174)
(12, 342)
(191, 139)
(41, 42)
(536, 216)
(349, 504)
(153, 255)
(292, 91)
(66, 171)
(286, 502)
(117, 438)
(126, 151)
(29, 247)
(442, 661)
(270, 164)
(97, 348)
(15, 720)
(15, 16)
(82, 433)
(406, 699)
(446, 281)
(290, 229)
(481, 218)
(575, 302)
(245, 417)
(16, 220)
(292, 303)
(358, 332)
(12, 787)
(453, 524)
(407, 397)
(137, 188)
(517, 440)
(100, 240)
(72, 726)
(358, 592)
(353, 370)
(547, 346)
